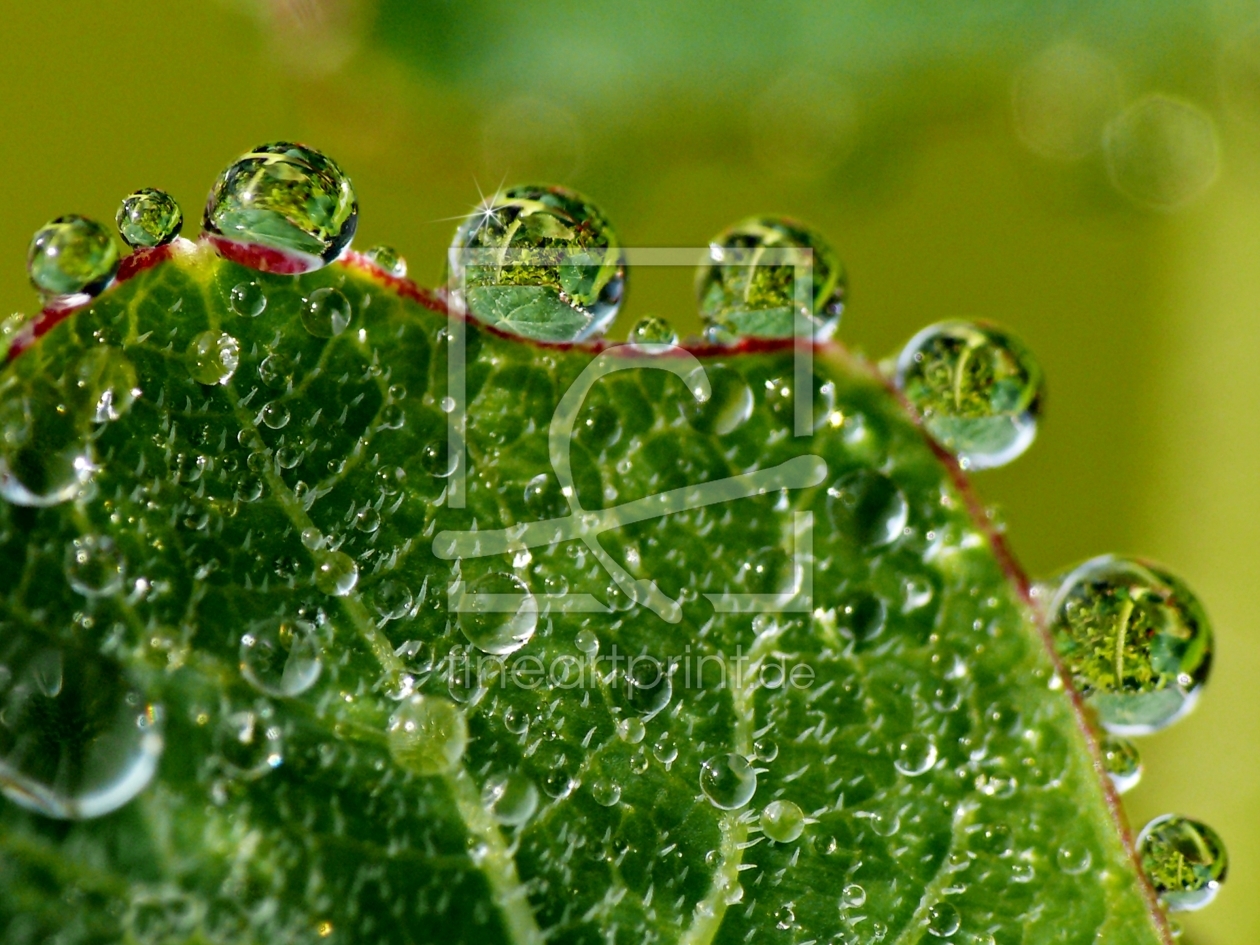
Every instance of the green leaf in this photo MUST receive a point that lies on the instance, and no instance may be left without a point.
(943, 775)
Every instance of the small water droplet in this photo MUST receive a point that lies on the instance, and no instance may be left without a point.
(1073, 859)
(631, 730)
(336, 574)
(94, 566)
(427, 735)
(391, 263)
(1184, 859)
(286, 198)
(885, 823)
(1136, 640)
(392, 599)
(977, 387)
(275, 415)
(280, 657)
(765, 750)
(71, 255)
(512, 798)
(915, 755)
(782, 821)
(853, 897)
(1123, 762)
(728, 406)
(149, 217)
(943, 920)
(753, 284)
(327, 313)
(586, 641)
(487, 625)
(728, 781)
(213, 357)
(785, 917)
(1023, 872)
(249, 743)
(868, 508)
(606, 792)
(247, 299)
(77, 739)
(653, 331)
(664, 750)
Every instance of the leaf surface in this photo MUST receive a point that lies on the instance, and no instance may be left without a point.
(947, 787)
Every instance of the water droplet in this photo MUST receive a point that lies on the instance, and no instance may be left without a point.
(437, 459)
(753, 283)
(653, 331)
(566, 273)
(1123, 762)
(1136, 640)
(586, 641)
(327, 313)
(390, 262)
(502, 614)
(943, 920)
(785, 917)
(280, 657)
(286, 198)
(367, 520)
(149, 217)
(45, 455)
(392, 599)
(728, 781)
(1073, 859)
(94, 566)
(885, 823)
(512, 798)
(249, 743)
(631, 730)
(108, 380)
(606, 792)
(977, 388)
(213, 357)
(765, 750)
(427, 735)
(649, 687)
(853, 897)
(336, 574)
(728, 406)
(275, 415)
(1162, 152)
(1023, 872)
(1184, 859)
(916, 754)
(868, 508)
(782, 821)
(994, 839)
(71, 255)
(247, 299)
(664, 750)
(77, 739)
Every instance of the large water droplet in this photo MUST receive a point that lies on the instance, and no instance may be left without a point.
(212, 357)
(149, 217)
(753, 283)
(653, 331)
(336, 574)
(867, 507)
(428, 735)
(45, 454)
(782, 821)
(280, 657)
(512, 798)
(503, 614)
(1136, 640)
(94, 566)
(943, 920)
(287, 198)
(391, 263)
(539, 261)
(649, 686)
(728, 781)
(1123, 762)
(977, 388)
(915, 755)
(327, 313)
(1185, 861)
(77, 739)
(71, 255)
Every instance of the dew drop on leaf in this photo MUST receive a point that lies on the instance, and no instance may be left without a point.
(606, 792)
(782, 821)
(391, 263)
(631, 730)
(1073, 859)
(1123, 762)
(149, 217)
(280, 656)
(853, 897)
(728, 781)
(336, 574)
(288, 198)
(665, 750)
(943, 920)
(428, 735)
(94, 566)
(757, 283)
(275, 415)
(77, 738)
(885, 823)
(653, 330)
(586, 641)
(391, 598)
(1184, 859)
(107, 378)
(765, 750)
(915, 755)
(727, 407)
(977, 387)
(248, 299)
(212, 357)
(868, 508)
(45, 455)
(249, 743)
(502, 614)
(511, 798)
(1136, 640)
(72, 255)
(327, 313)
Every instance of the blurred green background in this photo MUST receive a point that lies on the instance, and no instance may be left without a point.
(1086, 173)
